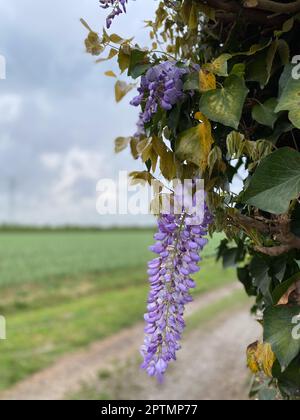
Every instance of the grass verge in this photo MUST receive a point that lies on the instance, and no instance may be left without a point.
(44, 325)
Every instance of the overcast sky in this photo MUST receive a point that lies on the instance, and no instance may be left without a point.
(58, 118)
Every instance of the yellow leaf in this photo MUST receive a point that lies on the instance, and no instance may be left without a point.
(167, 158)
(194, 145)
(121, 144)
(207, 81)
(206, 140)
(110, 73)
(121, 89)
(116, 39)
(252, 361)
(111, 55)
(260, 358)
(266, 358)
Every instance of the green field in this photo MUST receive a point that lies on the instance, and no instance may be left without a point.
(61, 291)
(34, 257)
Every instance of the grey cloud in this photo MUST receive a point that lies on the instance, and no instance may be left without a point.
(60, 101)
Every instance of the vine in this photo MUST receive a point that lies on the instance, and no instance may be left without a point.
(220, 91)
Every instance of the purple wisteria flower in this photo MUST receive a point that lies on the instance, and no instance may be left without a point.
(178, 246)
(118, 7)
(162, 86)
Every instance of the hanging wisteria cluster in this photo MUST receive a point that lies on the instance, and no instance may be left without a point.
(178, 246)
(118, 7)
(162, 86)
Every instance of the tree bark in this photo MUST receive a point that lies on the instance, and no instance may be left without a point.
(274, 7)
(260, 12)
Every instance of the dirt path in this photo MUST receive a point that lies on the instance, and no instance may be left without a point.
(210, 366)
(207, 357)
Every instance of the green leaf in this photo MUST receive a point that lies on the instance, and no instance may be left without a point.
(138, 63)
(235, 143)
(290, 96)
(265, 114)
(239, 70)
(124, 59)
(192, 82)
(287, 27)
(276, 182)
(279, 326)
(225, 105)
(280, 290)
(230, 257)
(289, 380)
(247, 281)
(259, 270)
(260, 68)
(267, 394)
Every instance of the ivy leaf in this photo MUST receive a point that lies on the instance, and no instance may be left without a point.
(138, 64)
(192, 82)
(279, 323)
(265, 114)
(219, 66)
(235, 144)
(225, 105)
(239, 70)
(290, 96)
(260, 68)
(280, 290)
(124, 58)
(276, 182)
(289, 380)
(207, 81)
(194, 144)
(247, 281)
(262, 280)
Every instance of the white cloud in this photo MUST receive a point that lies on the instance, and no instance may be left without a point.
(10, 108)
(51, 160)
(76, 165)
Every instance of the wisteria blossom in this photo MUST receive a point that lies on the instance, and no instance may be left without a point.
(118, 7)
(178, 246)
(161, 86)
